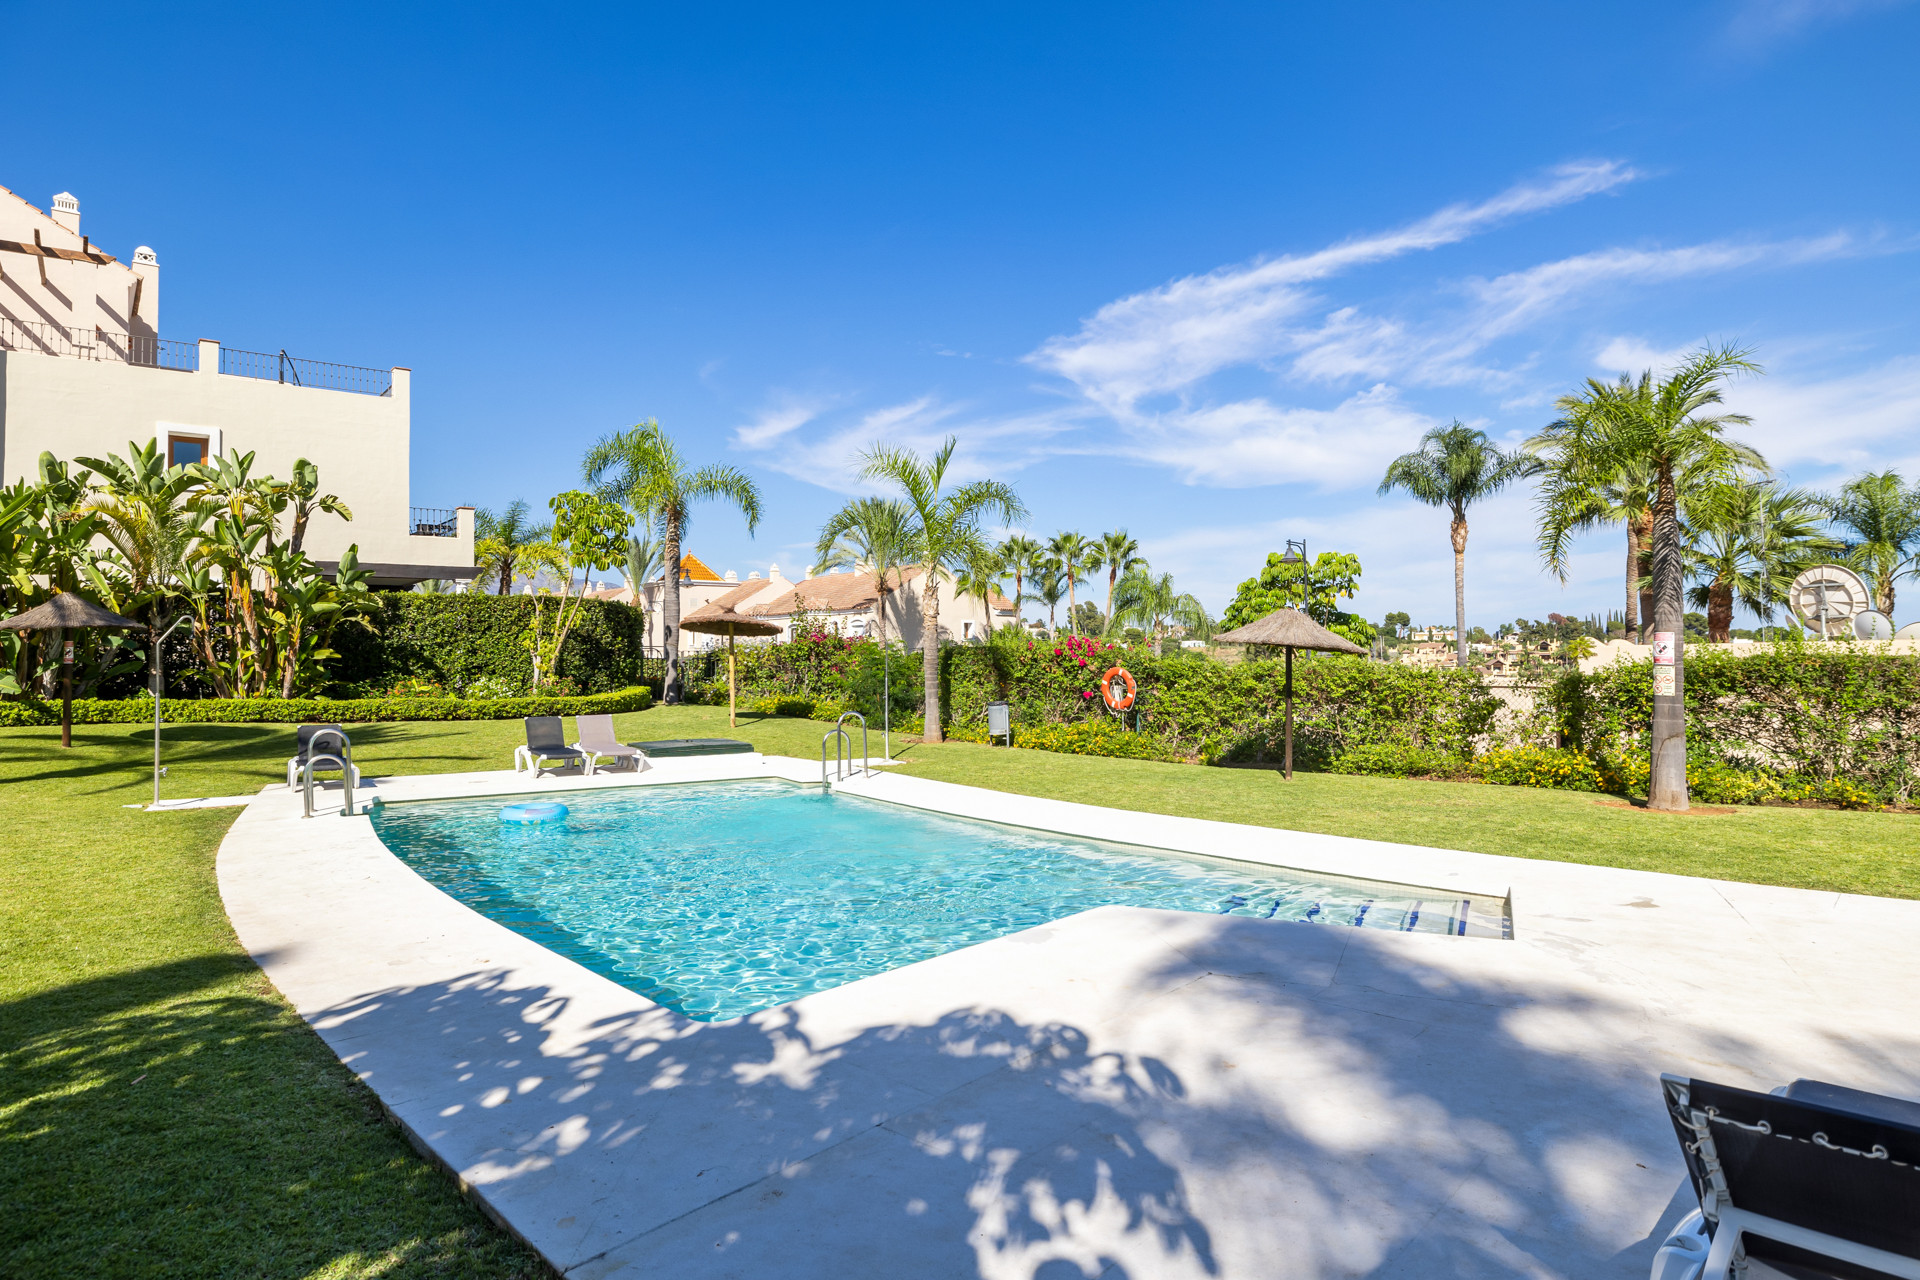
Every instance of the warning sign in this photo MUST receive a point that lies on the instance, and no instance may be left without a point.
(1663, 682)
(1663, 648)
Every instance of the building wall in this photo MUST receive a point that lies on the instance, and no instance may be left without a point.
(74, 408)
(78, 295)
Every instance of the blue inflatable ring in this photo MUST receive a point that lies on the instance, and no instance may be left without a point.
(534, 811)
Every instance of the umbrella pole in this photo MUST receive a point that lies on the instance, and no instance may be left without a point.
(732, 715)
(1289, 761)
(66, 690)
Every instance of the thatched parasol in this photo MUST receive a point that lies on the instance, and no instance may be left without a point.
(1290, 629)
(58, 614)
(713, 620)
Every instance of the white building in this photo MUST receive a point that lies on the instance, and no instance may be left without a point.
(86, 369)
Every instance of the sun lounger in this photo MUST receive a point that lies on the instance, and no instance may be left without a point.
(547, 740)
(324, 740)
(594, 735)
(1814, 1180)
(692, 747)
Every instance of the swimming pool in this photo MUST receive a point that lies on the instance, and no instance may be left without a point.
(722, 899)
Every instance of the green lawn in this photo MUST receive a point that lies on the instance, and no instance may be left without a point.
(163, 1113)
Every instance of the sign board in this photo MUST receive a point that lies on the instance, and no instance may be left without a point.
(66, 653)
(1663, 682)
(1663, 648)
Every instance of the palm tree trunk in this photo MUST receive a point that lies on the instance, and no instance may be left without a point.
(1667, 781)
(1113, 573)
(506, 575)
(1643, 572)
(1073, 624)
(1720, 612)
(1633, 580)
(1460, 590)
(930, 654)
(670, 610)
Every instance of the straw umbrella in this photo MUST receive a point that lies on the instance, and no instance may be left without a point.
(1290, 629)
(713, 620)
(62, 612)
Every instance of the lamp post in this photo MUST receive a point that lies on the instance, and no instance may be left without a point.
(159, 685)
(1297, 554)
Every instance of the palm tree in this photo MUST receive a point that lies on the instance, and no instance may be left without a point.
(643, 468)
(945, 535)
(1666, 427)
(1745, 543)
(642, 561)
(980, 578)
(1571, 504)
(1153, 602)
(148, 520)
(1020, 554)
(502, 541)
(1455, 467)
(1074, 553)
(869, 535)
(1119, 554)
(1049, 585)
(1883, 517)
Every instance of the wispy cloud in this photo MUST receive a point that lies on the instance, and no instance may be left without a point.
(1759, 23)
(830, 455)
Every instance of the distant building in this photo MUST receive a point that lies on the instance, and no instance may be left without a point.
(85, 369)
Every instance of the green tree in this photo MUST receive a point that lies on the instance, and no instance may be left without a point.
(502, 540)
(589, 532)
(302, 496)
(1020, 554)
(1315, 589)
(869, 535)
(1572, 500)
(1074, 553)
(1395, 623)
(1881, 517)
(980, 577)
(643, 468)
(1151, 602)
(1668, 427)
(1454, 468)
(1049, 587)
(1745, 543)
(946, 535)
(1118, 553)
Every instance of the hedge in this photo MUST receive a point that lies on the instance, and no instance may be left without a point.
(319, 710)
(457, 641)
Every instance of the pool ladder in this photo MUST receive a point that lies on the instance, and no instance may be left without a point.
(326, 760)
(843, 762)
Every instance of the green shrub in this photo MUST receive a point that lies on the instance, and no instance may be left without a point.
(1399, 760)
(319, 710)
(459, 642)
(801, 708)
(1531, 766)
(1087, 738)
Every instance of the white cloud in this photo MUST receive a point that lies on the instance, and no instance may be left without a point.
(988, 445)
(781, 418)
(1841, 424)
(1762, 22)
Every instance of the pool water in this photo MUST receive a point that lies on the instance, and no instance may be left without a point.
(722, 899)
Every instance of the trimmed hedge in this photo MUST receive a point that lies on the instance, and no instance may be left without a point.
(1088, 738)
(319, 710)
(456, 641)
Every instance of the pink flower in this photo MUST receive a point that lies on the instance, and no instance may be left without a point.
(1083, 662)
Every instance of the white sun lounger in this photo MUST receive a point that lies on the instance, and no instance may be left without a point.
(594, 735)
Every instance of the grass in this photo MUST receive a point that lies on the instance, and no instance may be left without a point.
(164, 1113)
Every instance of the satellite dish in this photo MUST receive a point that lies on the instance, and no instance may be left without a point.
(1827, 597)
(1909, 632)
(1872, 625)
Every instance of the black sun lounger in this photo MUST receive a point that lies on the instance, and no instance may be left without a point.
(547, 740)
(1817, 1181)
(693, 747)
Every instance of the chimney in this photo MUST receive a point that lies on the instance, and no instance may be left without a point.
(143, 302)
(66, 211)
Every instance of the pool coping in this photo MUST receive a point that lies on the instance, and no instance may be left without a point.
(412, 989)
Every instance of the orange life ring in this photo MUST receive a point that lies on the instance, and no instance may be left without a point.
(1109, 688)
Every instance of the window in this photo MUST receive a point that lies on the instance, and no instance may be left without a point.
(966, 631)
(184, 451)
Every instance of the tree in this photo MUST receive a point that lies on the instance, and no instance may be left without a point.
(1088, 620)
(1746, 543)
(1606, 429)
(1572, 501)
(643, 468)
(1049, 586)
(502, 541)
(1882, 516)
(1455, 467)
(302, 494)
(642, 561)
(869, 535)
(1153, 603)
(1315, 589)
(589, 532)
(980, 577)
(946, 534)
(1074, 553)
(1118, 554)
(1020, 554)
(1394, 623)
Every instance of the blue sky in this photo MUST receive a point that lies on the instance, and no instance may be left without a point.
(1197, 270)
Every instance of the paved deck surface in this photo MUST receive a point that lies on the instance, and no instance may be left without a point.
(1126, 1093)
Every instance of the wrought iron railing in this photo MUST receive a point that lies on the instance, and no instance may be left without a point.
(280, 367)
(435, 522)
(140, 349)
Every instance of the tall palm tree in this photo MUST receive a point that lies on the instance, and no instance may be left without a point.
(1745, 544)
(1882, 515)
(643, 468)
(946, 534)
(1571, 503)
(504, 540)
(1020, 554)
(1455, 467)
(1152, 602)
(980, 577)
(869, 535)
(1668, 427)
(1049, 586)
(642, 561)
(1074, 552)
(1119, 554)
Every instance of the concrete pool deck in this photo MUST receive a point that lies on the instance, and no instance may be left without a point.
(1124, 1093)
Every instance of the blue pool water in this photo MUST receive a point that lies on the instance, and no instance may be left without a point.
(721, 899)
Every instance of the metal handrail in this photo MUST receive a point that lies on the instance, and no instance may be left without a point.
(865, 755)
(840, 771)
(319, 759)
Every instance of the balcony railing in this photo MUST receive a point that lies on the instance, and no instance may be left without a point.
(281, 367)
(145, 350)
(435, 522)
(149, 352)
